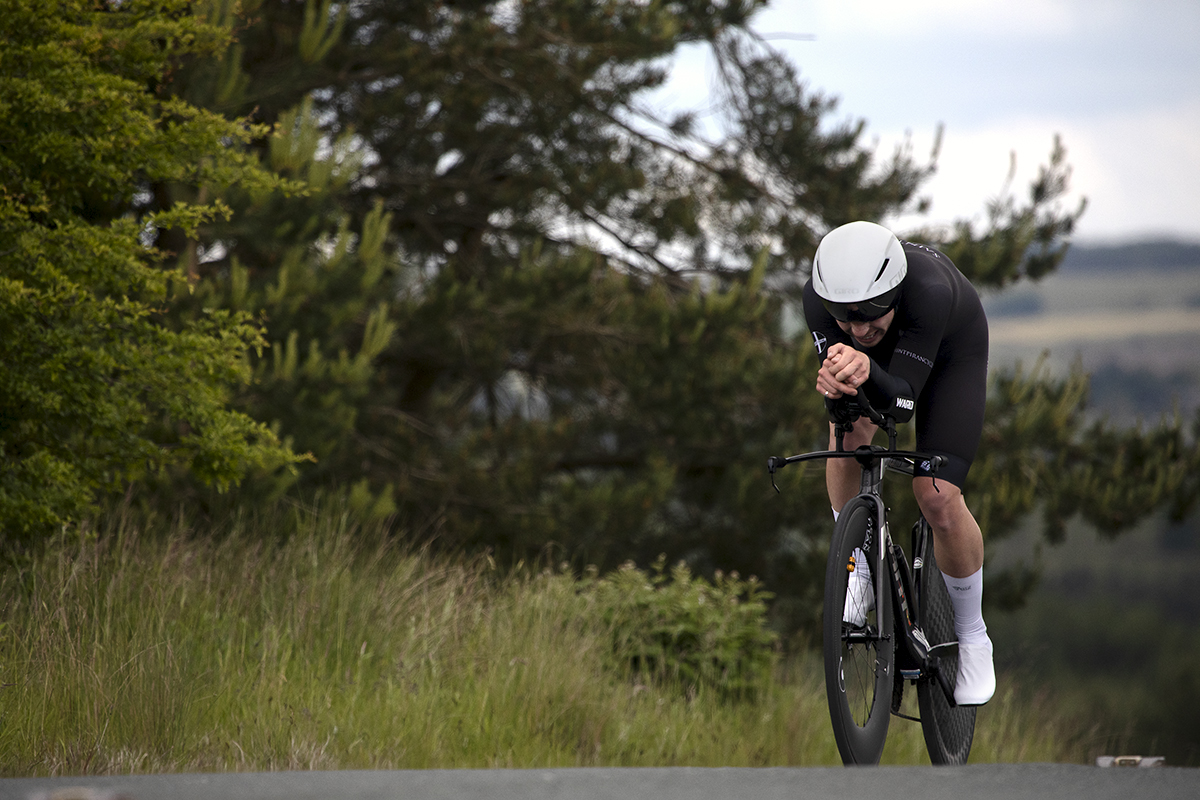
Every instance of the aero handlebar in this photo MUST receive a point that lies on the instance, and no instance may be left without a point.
(843, 411)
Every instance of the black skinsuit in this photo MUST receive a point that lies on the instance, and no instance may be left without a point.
(934, 357)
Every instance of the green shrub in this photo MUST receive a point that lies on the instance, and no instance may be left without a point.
(682, 628)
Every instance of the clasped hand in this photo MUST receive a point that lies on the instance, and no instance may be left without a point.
(843, 371)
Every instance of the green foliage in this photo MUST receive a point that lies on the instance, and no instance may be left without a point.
(1019, 242)
(681, 628)
(286, 638)
(1058, 463)
(516, 307)
(99, 390)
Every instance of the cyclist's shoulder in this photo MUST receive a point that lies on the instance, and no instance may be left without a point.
(924, 251)
(933, 283)
(929, 265)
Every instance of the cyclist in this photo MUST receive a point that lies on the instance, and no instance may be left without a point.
(899, 322)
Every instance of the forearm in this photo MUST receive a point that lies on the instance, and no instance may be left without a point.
(892, 395)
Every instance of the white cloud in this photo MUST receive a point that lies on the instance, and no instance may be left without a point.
(881, 18)
(1118, 79)
(1141, 173)
(940, 20)
(973, 167)
(1138, 172)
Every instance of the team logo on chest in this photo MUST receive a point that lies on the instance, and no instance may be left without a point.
(819, 341)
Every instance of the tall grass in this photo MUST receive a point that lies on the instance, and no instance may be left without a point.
(295, 639)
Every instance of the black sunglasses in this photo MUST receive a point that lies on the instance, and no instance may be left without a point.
(855, 312)
(864, 310)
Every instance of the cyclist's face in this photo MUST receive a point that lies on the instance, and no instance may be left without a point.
(869, 334)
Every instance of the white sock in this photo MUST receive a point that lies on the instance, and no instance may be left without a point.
(835, 513)
(966, 596)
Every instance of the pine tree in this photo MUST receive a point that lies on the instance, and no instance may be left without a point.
(519, 309)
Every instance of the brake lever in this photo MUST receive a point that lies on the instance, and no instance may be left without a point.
(774, 463)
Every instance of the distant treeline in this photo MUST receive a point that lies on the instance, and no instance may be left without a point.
(1157, 254)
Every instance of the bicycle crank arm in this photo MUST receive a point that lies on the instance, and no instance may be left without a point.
(935, 664)
(944, 649)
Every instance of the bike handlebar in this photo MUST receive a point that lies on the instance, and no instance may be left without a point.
(847, 408)
(865, 455)
(843, 411)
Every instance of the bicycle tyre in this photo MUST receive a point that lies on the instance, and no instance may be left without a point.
(858, 674)
(949, 730)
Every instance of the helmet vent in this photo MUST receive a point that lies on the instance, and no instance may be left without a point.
(882, 268)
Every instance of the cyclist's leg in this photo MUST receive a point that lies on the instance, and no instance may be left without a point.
(957, 538)
(949, 423)
(843, 476)
(956, 534)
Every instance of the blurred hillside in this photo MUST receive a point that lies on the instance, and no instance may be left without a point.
(1115, 621)
(1113, 626)
(1130, 314)
(1161, 254)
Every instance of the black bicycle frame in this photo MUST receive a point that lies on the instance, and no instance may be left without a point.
(916, 657)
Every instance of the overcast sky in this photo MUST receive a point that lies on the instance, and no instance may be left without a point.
(1118, 79)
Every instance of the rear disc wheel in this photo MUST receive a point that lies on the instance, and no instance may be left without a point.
(949, 730)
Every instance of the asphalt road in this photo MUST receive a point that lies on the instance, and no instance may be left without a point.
(983, 782)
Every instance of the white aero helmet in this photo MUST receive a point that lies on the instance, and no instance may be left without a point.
(857, 271)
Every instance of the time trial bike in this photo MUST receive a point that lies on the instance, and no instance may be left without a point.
(887, 620)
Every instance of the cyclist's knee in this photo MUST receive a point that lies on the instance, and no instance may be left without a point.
(939, 502)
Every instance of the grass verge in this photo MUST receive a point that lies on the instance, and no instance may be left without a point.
(295, 639)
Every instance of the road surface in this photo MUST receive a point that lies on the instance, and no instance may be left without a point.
(982, 782)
